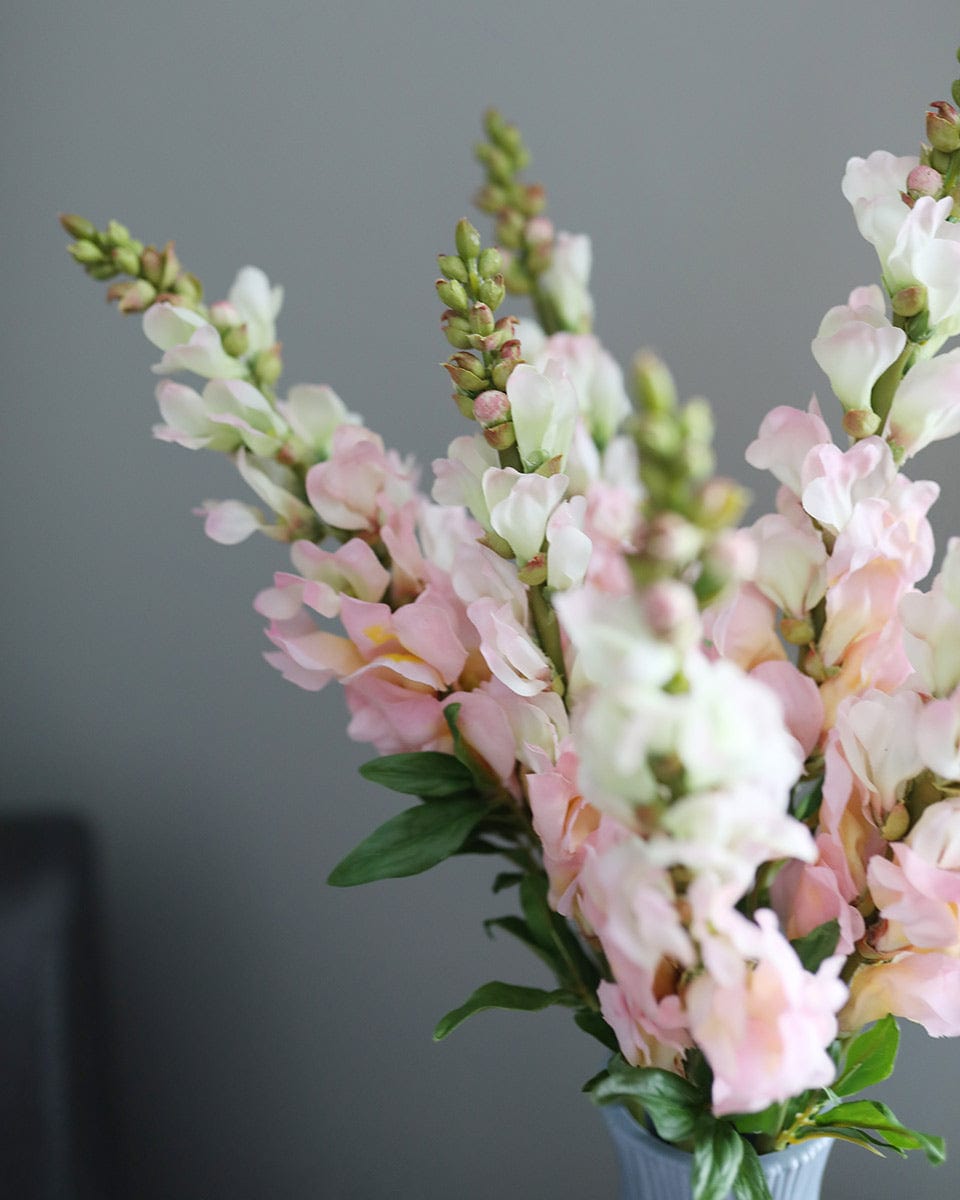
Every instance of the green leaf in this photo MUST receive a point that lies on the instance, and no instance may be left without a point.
(410, 842)
(871, 1117)
(869, 1057)
(750, 1183)
(807, 797)
(856, 1137)
(817, 945)
(591, 1022)
(518, 928)
(501, 995)
(716, 1159)
(426, 773)
(673, 1105)
(506, 879)
(553, 933)
(767, 1122)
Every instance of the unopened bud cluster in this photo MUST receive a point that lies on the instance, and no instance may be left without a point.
(155, 274)
(688, 511)
(938, 172)
(486, 349)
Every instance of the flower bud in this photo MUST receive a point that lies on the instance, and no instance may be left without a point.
(654, 384)
(534, 572)
(171, 266)
(101, 270)
(516, 279)
(924, 181)
(465, 404)
(467, 381)
(151, 264)
(511, 350)
(117, 234)
(139, 295)
(534, 199)
(860, 423)
(509, 231)
(940, 160)
(224, 315)
(236, 341)
(721, 502)
(497, 162)
(78, 227)
(490, 264)
(85, 251)
(188, 287)
(896, 824)
(490, 199)
(488, 343)
(798, 631)
(268, 365)
(491, 407)
(458, 338)
(454, 295)
(539, 257)
(453, 267)
(481, 319)
(910, 300)
(501, 437)
(492, 291)
(467, 239)
(943, 127)
(502, 370)
(539, 230)
(126, 260)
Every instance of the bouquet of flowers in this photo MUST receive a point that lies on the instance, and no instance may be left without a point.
(718, 767)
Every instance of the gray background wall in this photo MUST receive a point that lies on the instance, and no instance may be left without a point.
(272, 1036)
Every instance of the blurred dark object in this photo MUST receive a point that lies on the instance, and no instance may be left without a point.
(53, 1116)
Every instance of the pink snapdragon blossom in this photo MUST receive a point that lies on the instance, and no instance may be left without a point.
(922, 987)
(361, 483)
(785, 438)
(926, 406)
(763, 1022)
(636, 1034)
(855, 344)
(321, 577)
(931, 623)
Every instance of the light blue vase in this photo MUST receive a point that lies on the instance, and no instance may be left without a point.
(653, 1170)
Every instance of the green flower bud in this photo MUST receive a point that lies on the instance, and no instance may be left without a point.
(490, 264)
(509, 231)
(534, 572)
(491, 292)
(454, 295)
(490, 198)
(468, 240)
(171, 267)
(101, 271)
(117, 234)
(943, 127)
(653, 383)
(481, 319)
(940, 161)
(465, 404)
(268, 365)
(78, 227)
(459, 339)
(468, 381)
(236, 342)
(534, 199)
(189, 287)
(860, 423)
(85, 251)
(151, 263)
(138, 296)
(955, 91)
(798, 631)
(516, 280)
(501, 372)
(126, 260)
(897, 823)
(497, 162)
(910, 301)
(453, 267)
(501, 437)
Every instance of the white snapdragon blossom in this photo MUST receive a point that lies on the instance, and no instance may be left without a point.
(230, 413)
(543, 408)
(459, 476)
(927, 252)
(258, 305)
(275, 485)
(567, 280)
(596, 377)
(931, 623)
(926, 407)
(314, 412)
(855, 344)
(878, 734)
(189, 343)
(791, 567)
(873, 186)
(520, 507)
(569, 548)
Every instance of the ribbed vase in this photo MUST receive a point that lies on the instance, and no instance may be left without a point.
(652, 1170)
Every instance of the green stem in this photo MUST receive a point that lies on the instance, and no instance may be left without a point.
(548, 631)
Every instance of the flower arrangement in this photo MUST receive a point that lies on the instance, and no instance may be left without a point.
(718, 766)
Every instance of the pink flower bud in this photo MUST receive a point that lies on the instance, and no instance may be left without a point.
(539, 230)
(924, 181)
(491, 408)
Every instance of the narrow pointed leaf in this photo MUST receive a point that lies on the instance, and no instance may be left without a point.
(410, 842)
(750, 1183)
(869, 1058)
(716, 1160)
(426, 773)
(501, 995)
(591, 1022)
